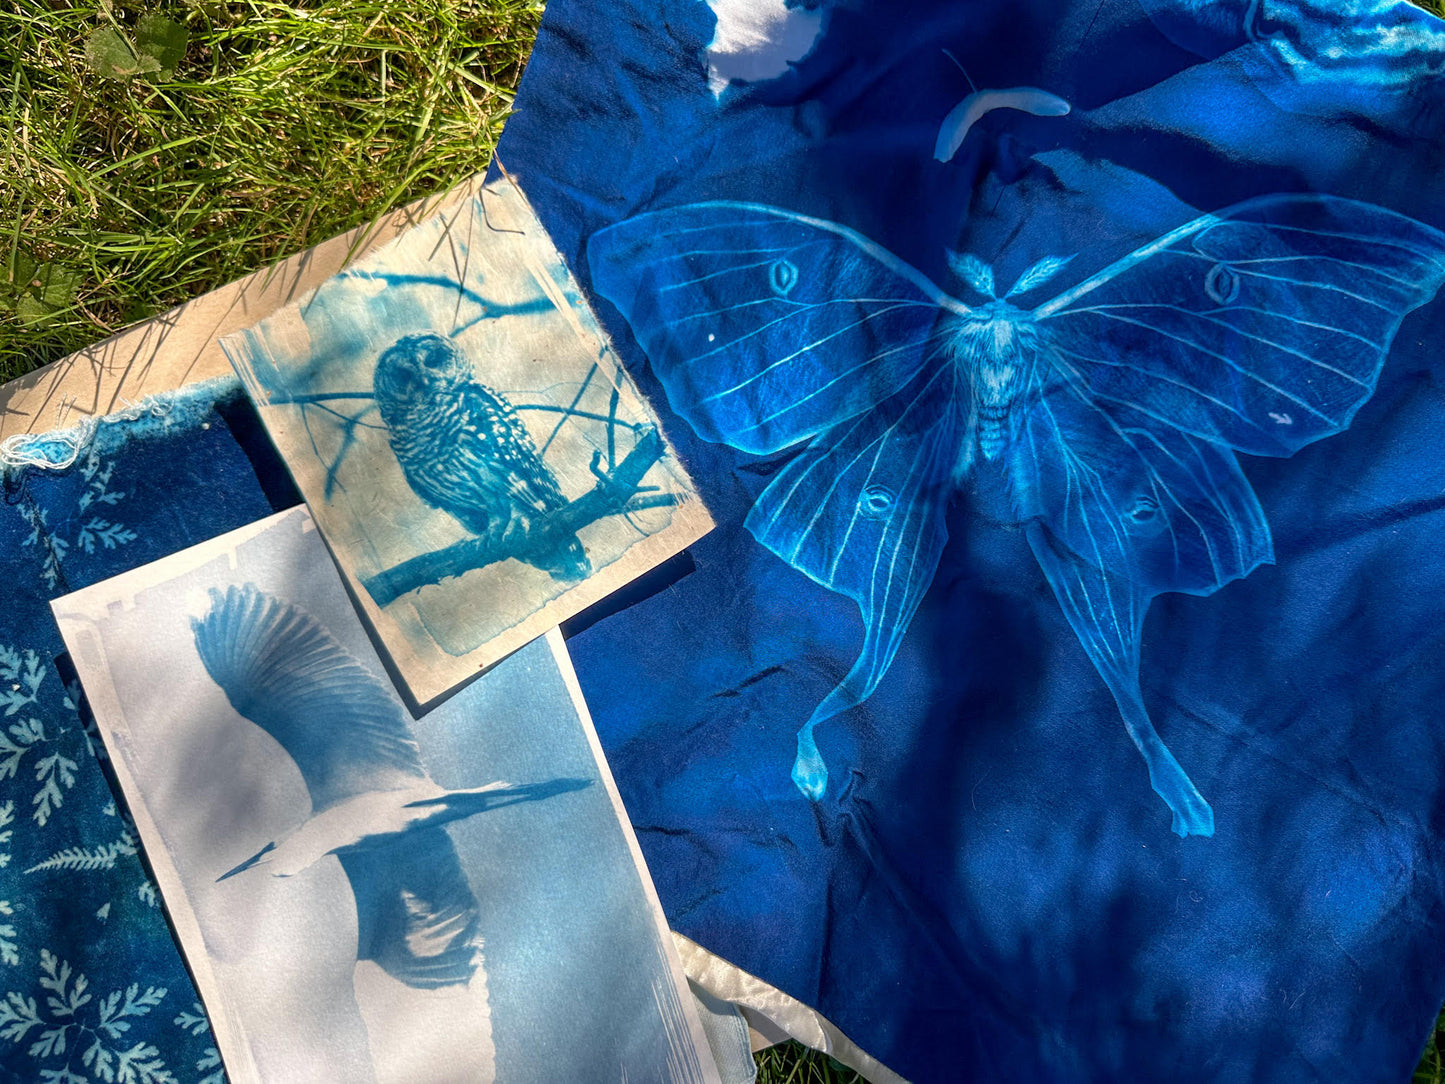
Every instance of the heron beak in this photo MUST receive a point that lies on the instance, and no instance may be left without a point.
(531, 792)
(254, 860)
(495, 795)
(498, 795)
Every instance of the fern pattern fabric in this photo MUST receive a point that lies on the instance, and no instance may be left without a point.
(92, 987)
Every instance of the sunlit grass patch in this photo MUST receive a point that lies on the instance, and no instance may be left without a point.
(282, 125)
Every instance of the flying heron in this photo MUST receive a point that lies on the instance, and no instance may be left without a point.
(373, 805)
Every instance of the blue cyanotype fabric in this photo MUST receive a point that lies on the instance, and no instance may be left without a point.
(91, 982)
(1061, 379)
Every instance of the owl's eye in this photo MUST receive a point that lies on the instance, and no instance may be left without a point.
(435, 359)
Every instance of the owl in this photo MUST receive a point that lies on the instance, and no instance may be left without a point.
(464, 450)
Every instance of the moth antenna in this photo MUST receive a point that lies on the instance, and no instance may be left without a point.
(961, 68)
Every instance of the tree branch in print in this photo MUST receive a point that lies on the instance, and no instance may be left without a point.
(348, 423)
(618, 491)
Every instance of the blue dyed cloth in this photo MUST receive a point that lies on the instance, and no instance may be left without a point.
(1202, 498)
(92, 986)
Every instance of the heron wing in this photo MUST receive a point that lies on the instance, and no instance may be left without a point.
(416, 915)
(343, 726)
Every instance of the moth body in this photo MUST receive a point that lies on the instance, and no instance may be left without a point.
(996, 352)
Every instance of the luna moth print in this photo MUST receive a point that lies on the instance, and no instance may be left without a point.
(1112, 410)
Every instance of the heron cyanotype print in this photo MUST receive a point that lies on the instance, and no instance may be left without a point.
(373, 805)
(465, 451)
(365, 893)
(1108, 415)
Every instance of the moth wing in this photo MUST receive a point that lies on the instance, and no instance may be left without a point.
(1106, 611)
(1133, 497)
(765, 327)
(1263, 326)
(1121, 508)
(862, 511)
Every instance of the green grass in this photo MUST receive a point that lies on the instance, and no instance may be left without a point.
(793, 1063)
(282, 125)
(1431, 1069)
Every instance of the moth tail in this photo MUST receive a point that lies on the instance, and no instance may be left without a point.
(810, 771)
(1191, 814)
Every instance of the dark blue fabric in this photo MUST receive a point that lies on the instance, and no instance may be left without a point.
(91, 982)
(989, 890)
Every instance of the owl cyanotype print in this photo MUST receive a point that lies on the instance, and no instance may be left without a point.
(464, 450)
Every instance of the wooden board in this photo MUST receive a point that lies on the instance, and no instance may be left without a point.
(181, 346)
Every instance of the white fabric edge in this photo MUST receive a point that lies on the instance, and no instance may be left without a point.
(774, 1015)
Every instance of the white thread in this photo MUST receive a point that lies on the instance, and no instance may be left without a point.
(157, 408)
(48, 451)
(62, 448)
